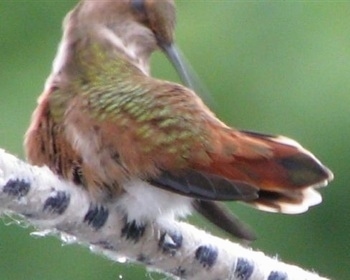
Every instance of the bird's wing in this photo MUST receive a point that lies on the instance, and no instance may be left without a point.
(154, 130)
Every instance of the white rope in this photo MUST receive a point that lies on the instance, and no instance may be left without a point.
(178, 249)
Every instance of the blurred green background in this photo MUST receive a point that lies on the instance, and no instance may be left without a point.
(278, 67)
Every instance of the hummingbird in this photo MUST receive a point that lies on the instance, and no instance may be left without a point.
(151, 146)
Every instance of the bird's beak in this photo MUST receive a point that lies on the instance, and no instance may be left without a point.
(186, 73)
(174, 55)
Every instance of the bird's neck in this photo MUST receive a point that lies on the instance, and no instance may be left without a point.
(127, 45)
(126, 39)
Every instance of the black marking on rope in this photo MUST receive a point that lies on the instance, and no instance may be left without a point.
(29, 215)
(244, 269)
(141, 258)
(170, 242)
(58, 203)
(207, 255)
(277, 275)
(17, 188)
(96, 216)
(144, 259)
(105, 245)
(180, 272)
(133, 231)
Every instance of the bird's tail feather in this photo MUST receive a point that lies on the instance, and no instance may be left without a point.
(284, 173)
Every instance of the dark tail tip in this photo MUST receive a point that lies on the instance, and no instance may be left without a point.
(305, 170)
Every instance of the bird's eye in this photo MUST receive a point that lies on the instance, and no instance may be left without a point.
(139, 6)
